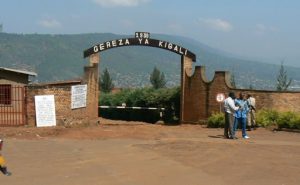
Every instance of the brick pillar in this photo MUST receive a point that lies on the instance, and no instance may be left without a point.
(91, 78)
(186, 69)
(94, 59)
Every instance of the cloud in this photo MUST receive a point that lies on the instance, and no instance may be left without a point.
(114, 3)
(50, 23)
(216, 24)
(175, 28)
(127, 23)
(261, 29)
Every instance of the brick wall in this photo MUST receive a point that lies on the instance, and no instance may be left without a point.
(62, 95)
(280, 101)
(200, 96)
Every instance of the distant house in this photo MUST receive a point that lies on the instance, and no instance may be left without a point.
(12, 95)
(14, 76)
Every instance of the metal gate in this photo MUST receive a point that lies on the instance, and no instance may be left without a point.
(12, 105)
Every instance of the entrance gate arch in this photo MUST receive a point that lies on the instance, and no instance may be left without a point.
(143, 39)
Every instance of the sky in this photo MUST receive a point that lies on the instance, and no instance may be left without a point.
(264, 30)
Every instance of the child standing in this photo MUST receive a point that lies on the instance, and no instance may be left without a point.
(3, 168)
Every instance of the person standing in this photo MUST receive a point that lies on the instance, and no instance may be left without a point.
(229, 109)
(241, 115)
(251, 123)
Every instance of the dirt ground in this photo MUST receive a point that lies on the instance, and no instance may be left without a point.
(133, 153)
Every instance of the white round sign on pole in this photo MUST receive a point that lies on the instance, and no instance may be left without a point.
(220, 97)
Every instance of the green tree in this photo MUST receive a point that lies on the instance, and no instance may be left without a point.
(282, 79)
(157, 79)
(106, 83)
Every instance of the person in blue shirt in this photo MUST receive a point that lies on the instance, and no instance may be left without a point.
(241, 114)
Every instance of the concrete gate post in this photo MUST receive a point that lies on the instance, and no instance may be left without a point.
(186, 69)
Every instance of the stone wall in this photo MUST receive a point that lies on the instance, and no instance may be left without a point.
(200, 96)
(62, 94)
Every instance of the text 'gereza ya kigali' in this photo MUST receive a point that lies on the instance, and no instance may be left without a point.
(140, 41)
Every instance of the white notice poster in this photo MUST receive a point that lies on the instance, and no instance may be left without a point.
(45, 111)
(78, 96)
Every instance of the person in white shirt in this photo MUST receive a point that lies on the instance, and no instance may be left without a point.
(229, 109)
(251, 114)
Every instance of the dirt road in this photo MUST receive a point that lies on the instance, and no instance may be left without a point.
(118, 153)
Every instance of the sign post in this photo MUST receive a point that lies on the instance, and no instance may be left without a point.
(220, 98)
(78, 96)
(45, 110)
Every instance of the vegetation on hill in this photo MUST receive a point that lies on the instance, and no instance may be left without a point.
(60, 57)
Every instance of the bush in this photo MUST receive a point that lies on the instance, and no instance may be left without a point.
(289, 120)
(266, 118)
(295, 122)
(284, 119)
(216, 120)
(168, 98)
(114, 99)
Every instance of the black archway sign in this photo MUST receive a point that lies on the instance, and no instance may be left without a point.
(141, 39)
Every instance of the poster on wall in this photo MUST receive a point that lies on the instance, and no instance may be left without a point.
(78, 96)
(45, 110)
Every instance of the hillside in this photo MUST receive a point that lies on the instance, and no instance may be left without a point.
(59, 57)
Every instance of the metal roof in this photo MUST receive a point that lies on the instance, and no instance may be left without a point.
(75, 81)
(18, 71)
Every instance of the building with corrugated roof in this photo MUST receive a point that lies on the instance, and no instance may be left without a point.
(12, 95)
(14, 76)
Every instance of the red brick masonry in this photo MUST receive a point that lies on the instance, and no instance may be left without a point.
(62, 94)
(200, 96)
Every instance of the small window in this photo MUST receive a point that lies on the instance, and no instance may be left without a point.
(5, 94)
